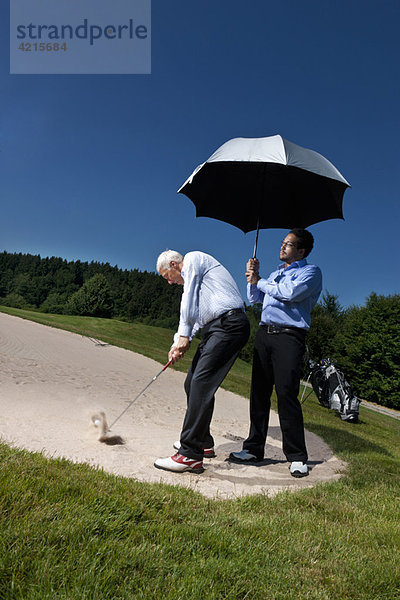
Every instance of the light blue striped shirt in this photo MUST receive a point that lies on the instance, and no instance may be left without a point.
(208, 292)
(288, 295)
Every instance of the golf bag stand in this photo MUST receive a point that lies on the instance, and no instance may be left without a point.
(333, 390)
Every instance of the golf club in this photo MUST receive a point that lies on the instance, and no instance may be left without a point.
(100, 421)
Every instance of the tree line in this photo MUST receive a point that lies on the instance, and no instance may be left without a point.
(364, 341)
(56, 285)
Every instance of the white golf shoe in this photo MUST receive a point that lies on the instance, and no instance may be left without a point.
(179, 464)
(298, 469)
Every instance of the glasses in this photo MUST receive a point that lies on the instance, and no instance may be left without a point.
(288, 244)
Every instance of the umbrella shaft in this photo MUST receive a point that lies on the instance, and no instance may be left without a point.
(256, 242)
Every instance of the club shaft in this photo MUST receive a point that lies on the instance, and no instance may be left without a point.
(140, 393)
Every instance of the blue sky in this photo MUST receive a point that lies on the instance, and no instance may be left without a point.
(90, 164)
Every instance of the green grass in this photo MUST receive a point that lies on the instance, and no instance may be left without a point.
(72, 532)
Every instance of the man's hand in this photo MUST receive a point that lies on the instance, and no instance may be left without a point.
(253, 264)
(252, 268)
(179, 349)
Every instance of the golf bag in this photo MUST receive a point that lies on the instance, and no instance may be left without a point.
(333, 390)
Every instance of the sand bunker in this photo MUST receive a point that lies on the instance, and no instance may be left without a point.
(53, 381)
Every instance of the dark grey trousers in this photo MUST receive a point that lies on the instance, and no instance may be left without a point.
(277, 360)
(221, 342)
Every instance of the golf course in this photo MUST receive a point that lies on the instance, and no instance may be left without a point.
(199, 300)
(71, 531)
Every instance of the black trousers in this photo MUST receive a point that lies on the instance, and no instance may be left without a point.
(221, 342)
(277, 359)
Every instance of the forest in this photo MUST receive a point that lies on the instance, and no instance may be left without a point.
(363, 340)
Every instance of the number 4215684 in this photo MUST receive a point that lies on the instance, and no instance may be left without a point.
(42, 47)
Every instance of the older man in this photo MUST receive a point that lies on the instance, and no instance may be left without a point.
(211, 302)
(288, 296)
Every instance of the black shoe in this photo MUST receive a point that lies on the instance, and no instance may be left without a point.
(244, 457)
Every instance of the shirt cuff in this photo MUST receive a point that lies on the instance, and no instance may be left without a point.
(185, 330)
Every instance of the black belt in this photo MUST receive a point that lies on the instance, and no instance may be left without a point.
(233, 311)
(228, 313)
(280, 329)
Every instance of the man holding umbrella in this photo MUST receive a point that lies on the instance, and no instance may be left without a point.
(287, 296)
(211, 302)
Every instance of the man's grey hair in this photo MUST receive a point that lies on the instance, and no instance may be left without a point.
(164, 260)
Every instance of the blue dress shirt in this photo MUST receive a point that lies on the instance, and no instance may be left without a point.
(288, 295)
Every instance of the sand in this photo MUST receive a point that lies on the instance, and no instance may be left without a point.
(53, 381)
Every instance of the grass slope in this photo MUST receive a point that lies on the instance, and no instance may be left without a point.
(70, 532)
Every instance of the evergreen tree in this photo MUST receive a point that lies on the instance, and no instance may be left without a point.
(93, 299)
(327, 319)
(369, 349)
(253, 312)
(332, 307)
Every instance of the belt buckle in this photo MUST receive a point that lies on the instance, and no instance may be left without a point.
(233, 311)
(272, 329)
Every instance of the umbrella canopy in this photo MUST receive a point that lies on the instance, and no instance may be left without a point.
(266, 182)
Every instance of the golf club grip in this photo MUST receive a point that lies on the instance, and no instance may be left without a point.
(166, 366)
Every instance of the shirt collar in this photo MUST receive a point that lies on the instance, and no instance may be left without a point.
(295, 265)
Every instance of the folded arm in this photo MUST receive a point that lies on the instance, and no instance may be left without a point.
(295, 288)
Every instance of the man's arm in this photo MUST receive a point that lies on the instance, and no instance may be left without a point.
(296, 288)
(189, 310)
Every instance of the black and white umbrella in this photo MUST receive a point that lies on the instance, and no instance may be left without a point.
(258, 183)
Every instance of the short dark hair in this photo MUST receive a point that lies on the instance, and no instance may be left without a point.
(304, 240)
